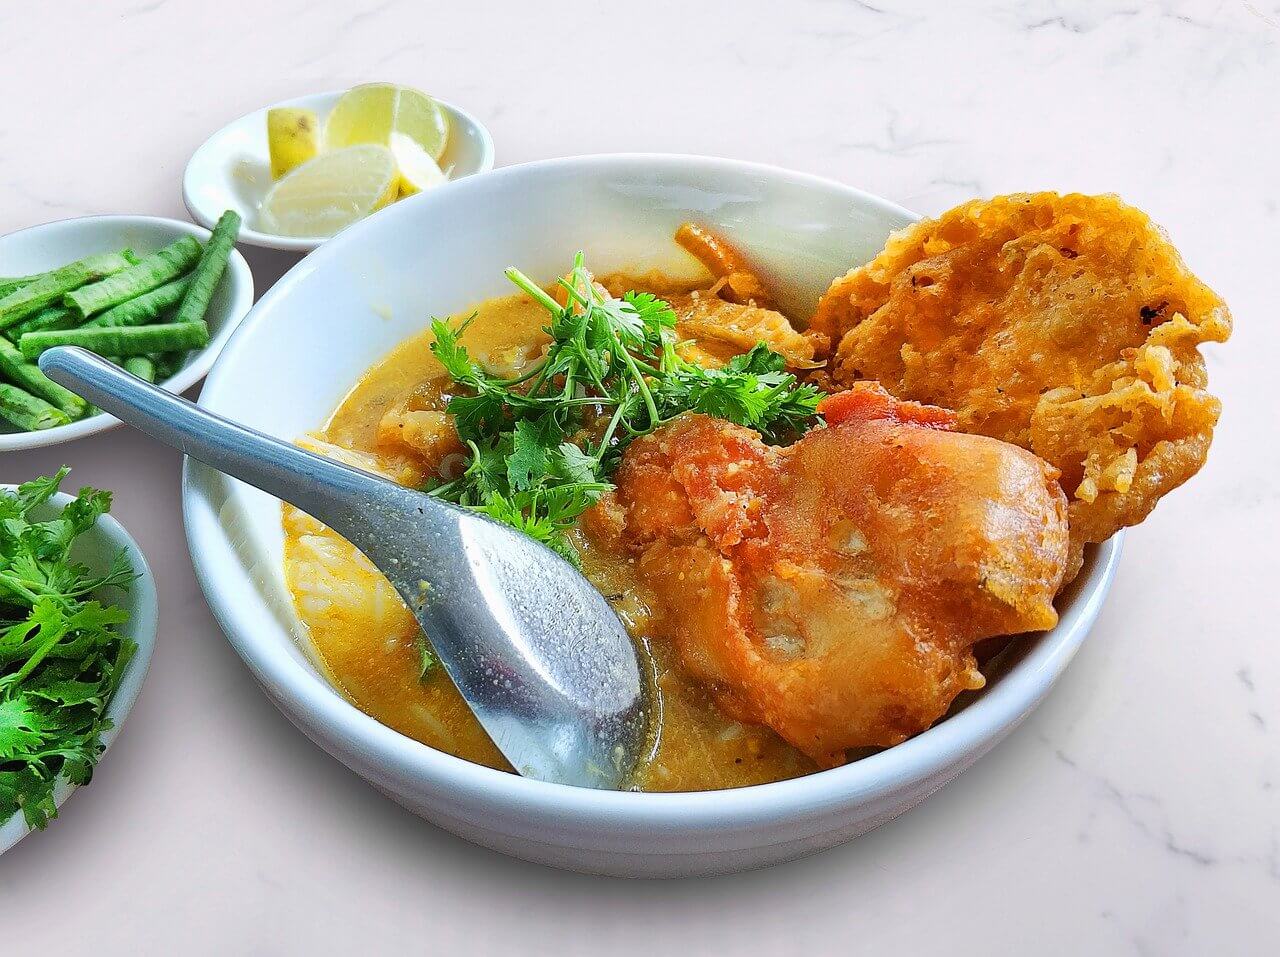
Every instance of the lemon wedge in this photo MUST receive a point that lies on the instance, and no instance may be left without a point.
(418, 171)
(293, 137)
(331, 192)
(372, 113)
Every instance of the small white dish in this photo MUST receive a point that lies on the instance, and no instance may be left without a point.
(347, 304)
(96, 548)
(232, 169)
(47, 246)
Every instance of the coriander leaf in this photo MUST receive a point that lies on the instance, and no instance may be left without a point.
(427, 660)
(572, 464)
(528, 461)
(23, 729)
(451, 353)
(477, 416)
(39, 490)
(656, 315)
(487, 471)
(89, 505)
(624, 319)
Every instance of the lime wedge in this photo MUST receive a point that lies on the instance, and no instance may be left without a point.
(293, 137)
(331, 192)
(373, 112)
(418, 171)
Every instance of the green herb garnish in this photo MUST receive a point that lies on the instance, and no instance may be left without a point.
(61, 656)
(543, 444)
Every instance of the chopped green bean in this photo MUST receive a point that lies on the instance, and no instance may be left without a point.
(55, 284)
(141, 366)
(28, 412)
(152, 271)
(120, 340)
(213, 262)
(50, 317)
(15, 367)
(17, 282)
(168, 364)
(144, 309)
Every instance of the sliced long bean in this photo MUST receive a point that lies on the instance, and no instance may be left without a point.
(28, 412)
(15, 367)
(120, 340)
(50, 317)
(213, 262)
(151, 271)
(56, 283)
(168, 364)
(145, 309)
(17, 282)
(141, 366)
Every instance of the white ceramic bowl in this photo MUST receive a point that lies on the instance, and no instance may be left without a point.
(47, 246)
(347, 304)
(232, 168)
(96, 548)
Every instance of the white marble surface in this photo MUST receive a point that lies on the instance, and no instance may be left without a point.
(1138, 811)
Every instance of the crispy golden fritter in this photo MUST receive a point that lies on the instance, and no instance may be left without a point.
(1067, 325)
(739, 282)
(736, 313)
(728, 317)
(713, 331)
(834, 590)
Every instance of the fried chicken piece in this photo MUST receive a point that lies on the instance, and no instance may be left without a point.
(833, 590)
(1067, 325)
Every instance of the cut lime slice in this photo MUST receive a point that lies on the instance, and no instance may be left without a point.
(331, 192)
(373, 112)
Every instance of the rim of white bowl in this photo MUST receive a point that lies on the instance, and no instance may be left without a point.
(303, 244)
(322, 707)
(240, 292)
(142, 629)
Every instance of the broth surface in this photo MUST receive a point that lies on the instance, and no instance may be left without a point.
(368, 640)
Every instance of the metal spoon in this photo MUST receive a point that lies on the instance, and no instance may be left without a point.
(536, 651)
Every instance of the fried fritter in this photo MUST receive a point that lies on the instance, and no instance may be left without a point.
(833, 590)
(739, 282)
(713, 331)
(736, 313)
(1067, 325)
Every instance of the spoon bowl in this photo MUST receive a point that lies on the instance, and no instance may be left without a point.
(536, 651)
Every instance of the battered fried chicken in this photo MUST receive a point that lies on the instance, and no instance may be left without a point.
(1067, 325)
(833, 590)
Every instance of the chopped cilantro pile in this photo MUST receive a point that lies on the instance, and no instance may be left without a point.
(543, 444)
(61, 654)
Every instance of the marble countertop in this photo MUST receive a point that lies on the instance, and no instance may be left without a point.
(1138, 811)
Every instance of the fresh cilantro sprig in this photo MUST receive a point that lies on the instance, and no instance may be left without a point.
(544, 444)
(61, 655)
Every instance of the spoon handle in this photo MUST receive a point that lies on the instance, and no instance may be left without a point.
(328, 490)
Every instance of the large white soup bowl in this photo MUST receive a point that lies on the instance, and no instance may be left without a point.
(379, 282)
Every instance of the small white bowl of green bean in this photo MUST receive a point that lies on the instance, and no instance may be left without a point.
(154, 294)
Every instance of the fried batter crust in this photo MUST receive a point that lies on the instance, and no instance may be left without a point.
(833, 590)
(1067, 325)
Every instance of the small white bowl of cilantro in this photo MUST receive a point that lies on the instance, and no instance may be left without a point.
(77, 628)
